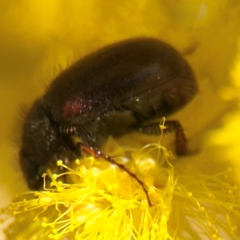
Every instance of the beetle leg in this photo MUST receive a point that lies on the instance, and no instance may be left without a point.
(99, 154)
(151, 129)
(170, 126)
(180, 138)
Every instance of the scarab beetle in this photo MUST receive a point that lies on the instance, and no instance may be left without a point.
(110, 92)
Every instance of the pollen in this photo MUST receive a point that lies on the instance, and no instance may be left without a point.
(92, 200)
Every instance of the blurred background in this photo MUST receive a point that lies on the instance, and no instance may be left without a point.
(41, 38)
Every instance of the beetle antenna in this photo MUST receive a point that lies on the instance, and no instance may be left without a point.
(99, 154)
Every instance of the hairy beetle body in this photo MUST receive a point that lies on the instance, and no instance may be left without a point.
(110, 92)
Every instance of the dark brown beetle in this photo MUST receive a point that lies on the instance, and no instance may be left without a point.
(113, 91)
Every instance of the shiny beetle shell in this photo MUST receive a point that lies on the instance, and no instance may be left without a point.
(110, 92)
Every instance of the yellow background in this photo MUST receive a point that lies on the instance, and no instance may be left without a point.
(40, 38)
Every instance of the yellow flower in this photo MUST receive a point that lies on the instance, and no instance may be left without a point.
(94, 199)
(196, 197)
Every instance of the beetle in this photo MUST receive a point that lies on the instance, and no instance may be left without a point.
(110, 92)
